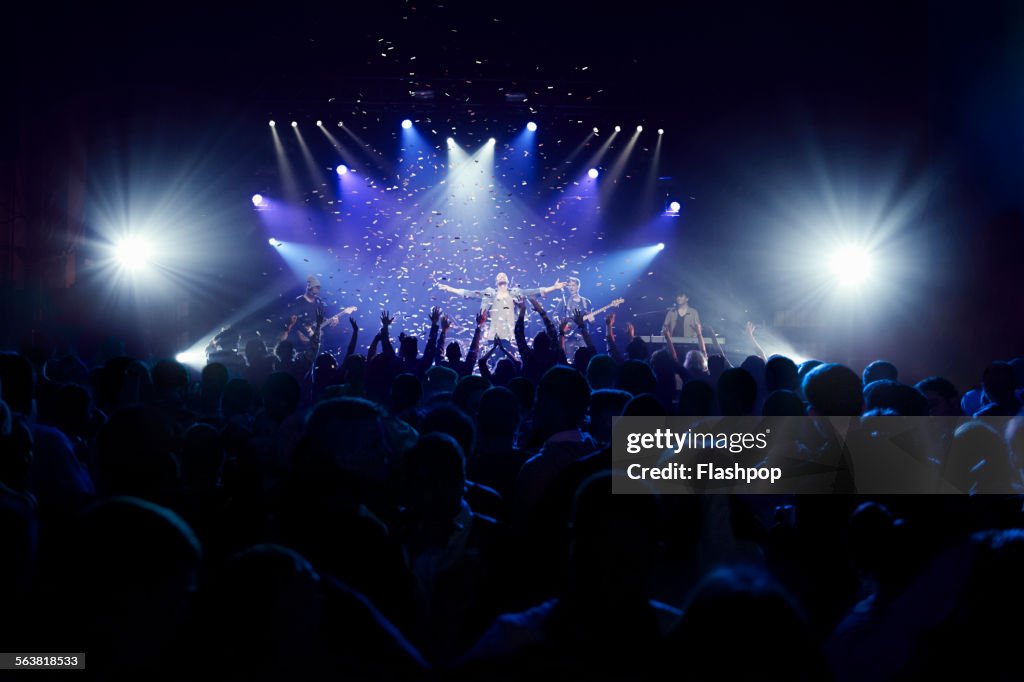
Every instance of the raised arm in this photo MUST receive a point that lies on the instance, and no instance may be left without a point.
(671, 346)
(468, 293)
(430, 352)
(549, 328)
(581, 323)
(750, 333)
(372, 352)
(355, 336)
(504, 351)
(485, 371)
(385, 337)
(520, 331)
(445, 323)
(609, 337)
(474, 346)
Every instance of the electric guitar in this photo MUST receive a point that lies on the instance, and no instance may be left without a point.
(305, 330)
(589, 317)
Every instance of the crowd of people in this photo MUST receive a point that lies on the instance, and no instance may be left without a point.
(438, 512)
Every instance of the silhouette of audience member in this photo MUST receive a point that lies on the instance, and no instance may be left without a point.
(406, 394)
(903, 400)
(58, 480)
(440, 380)
(601, 372)
(563, 397)
(979, 462)
(605, 404)
(696, 399)
(783, 404)
(274, 616)
(998, 385)
(604, 623)
(636, 377)
(737, 393)
(879, 370)
(136, 455)
(833, 390)
(742, 608)
(445, 541)
(126, 589)
(780, 374)
(496, 460)
(942, 396)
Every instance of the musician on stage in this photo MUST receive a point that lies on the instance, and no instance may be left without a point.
(565, 309)
(499, 301)
(303, 314)
(682, 320)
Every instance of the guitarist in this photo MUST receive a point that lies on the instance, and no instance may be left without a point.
(565, 308)
(303, 315)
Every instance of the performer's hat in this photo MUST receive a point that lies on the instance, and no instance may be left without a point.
(311, 282)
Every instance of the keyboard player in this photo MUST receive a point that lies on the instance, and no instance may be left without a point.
(682, 320)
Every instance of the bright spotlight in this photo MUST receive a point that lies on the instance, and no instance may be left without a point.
(257, 199)
(618, 129)
(639, 129)
(851, 265)
(407, 124)
(661, 131)
(531, 126)
(295, 124)
(451, 141)
(595, 130)
(132, 253)
(272, 124)
(593, 173)
(341, 124)
(675, 206)
(491, 141)
(319, 124)
(272, 241)
(193, 358)
(661, 246)
(341, 169)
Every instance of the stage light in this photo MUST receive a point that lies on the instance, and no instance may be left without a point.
(341, 170)
(273, 242)
(491, 141)
(639, 129)
(675, 206)
(319, 124)
(661, 131)
(407, 124)
(618, 129)
(295, 124)
(133, 253)
(531, 126)
(340, 124)
(661, 247)
(593, 173)
(272, 124)
(451, 141)
(595, 130)
(851, 265)
(257, 199)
